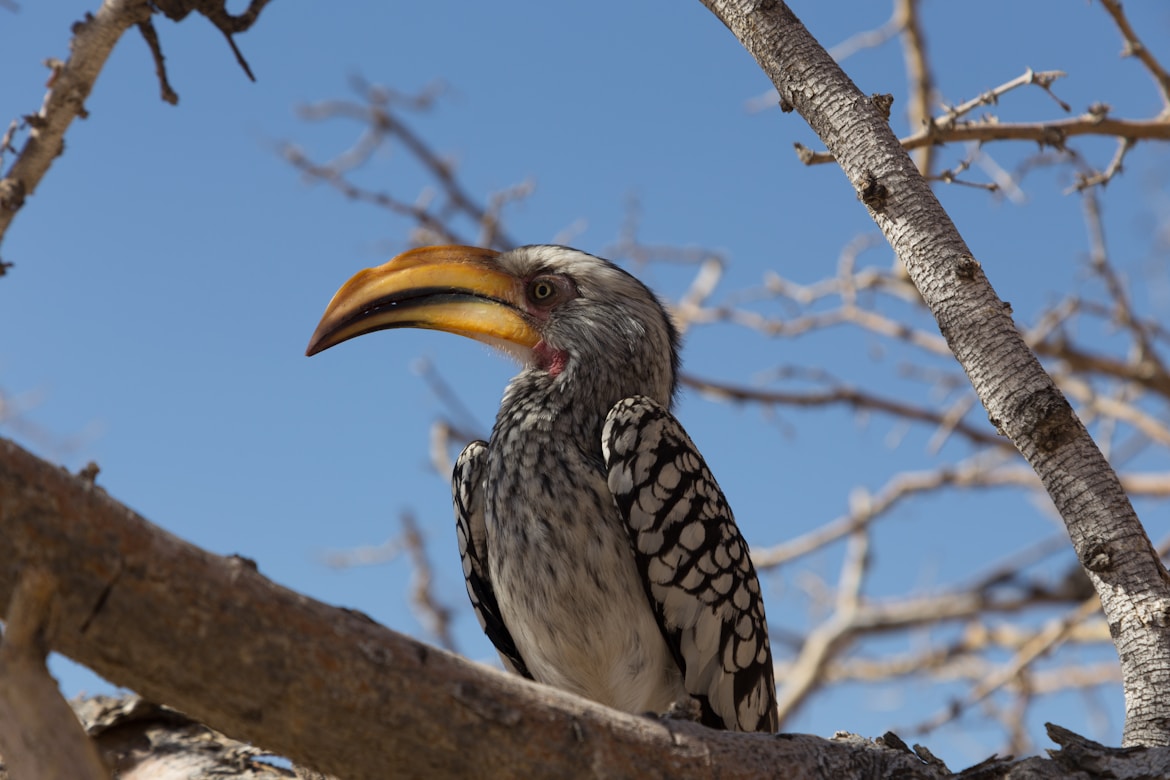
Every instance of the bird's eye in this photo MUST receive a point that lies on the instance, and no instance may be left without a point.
(541, 290)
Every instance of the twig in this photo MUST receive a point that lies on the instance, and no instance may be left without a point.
(381, 125)
(1101, 178)
(1044, 640)
(1053, 134)
(824, 641)
(442, 390)
(857, 399)
(435, 615)
(1135, 48)
(969, 474)
(70, 85)
(423, 216)
(150, 35)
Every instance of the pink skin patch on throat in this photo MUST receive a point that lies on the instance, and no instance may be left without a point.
(551, 360)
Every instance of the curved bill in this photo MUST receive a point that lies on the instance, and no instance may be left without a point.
(459, 289)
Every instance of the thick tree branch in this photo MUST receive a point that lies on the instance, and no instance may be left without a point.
(1020, 397)
(39, 735)
(211, 637)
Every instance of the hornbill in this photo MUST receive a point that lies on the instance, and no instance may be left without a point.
(599, 552)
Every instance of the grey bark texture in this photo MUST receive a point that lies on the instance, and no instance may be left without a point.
(1021, 399)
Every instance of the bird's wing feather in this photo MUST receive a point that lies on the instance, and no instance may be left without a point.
(694, 564)
(467, 488)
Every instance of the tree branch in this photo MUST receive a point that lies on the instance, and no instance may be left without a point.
(1021, 399)
(39, 735)
(70, 85)
(211, 637)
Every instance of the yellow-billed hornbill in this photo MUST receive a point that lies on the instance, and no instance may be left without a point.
(599, 553)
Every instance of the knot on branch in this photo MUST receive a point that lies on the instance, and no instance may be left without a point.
(966, 268)
(1096, 557)
(1046, 418)
(872, 192)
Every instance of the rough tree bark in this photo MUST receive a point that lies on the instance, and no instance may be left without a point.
(1021, 399)
(333, 690)
(328, 688)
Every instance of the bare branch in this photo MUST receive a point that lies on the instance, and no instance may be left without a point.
(209, 635)
(435, 218)
(1043, 79)
(150, 35)
(435, 615)
(1135, 48)
(72, 80)
(1041, 643)
(1047, 134)
(1100, 178)
(70, 85)
(848, 396)
(972, 473)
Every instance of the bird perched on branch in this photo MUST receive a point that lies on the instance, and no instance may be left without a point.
(599, 553)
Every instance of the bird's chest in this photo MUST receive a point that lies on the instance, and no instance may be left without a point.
(551, 521)
(564, 575)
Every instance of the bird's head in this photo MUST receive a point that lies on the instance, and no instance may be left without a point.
(575, 318)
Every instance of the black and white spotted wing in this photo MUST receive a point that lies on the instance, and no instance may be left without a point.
(694, 563)
(467, 489)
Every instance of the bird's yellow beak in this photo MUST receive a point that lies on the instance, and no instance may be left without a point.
(459, 289)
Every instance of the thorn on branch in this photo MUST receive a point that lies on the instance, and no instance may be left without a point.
(216, 12)
(239, 56)
(1044, 81)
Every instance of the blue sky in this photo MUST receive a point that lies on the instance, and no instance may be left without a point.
(172, 266)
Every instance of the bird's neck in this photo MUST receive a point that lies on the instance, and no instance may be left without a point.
(538, 401)
(573, 402)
